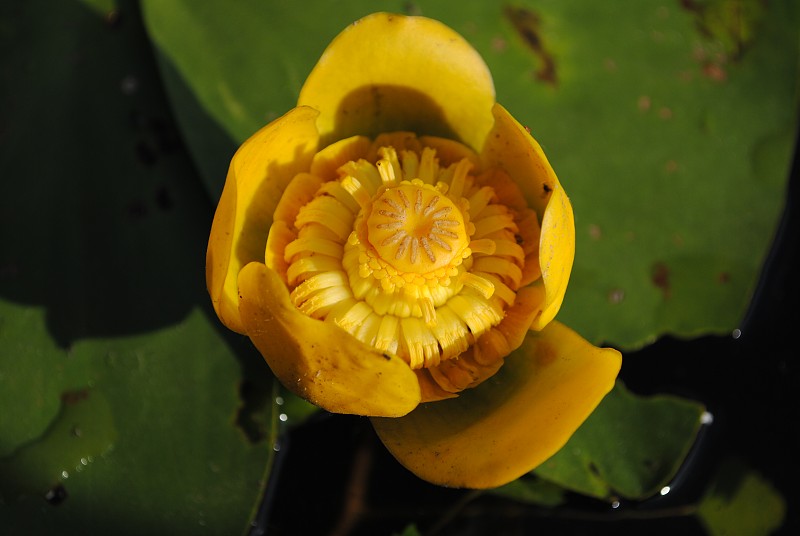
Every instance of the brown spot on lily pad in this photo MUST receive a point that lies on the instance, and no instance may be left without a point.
(528, 26)
(715, 71)
(70, 398)
(671, 166)
(499, 44)
(659, 275)
(730, 24)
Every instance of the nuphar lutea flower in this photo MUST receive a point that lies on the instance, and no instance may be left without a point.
(397, 246)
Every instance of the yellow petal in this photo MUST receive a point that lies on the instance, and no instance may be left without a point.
(511, 423)
(259, 172)
(390, 72)
(318, 360)
(556, 253)
(510, 147)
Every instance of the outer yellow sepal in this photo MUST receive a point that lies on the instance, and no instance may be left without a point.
(510, 147)
(511, 423)
(259, 172)
(317, 360)
(556, 253)
(390, 72)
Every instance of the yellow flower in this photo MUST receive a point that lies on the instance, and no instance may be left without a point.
(397, 245)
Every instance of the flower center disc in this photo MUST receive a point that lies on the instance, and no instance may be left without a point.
(414, 228)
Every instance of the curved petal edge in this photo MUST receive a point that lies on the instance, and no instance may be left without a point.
(434, 83)
(259, 172)
(511, 147)
(511, 423)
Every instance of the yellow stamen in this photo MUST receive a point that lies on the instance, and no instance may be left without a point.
(386, 171)
(481, 284)
(328, 212)
(313, 244)
(486, 226)
(458, 182)
(303, 268)
(476, 312)
(335, 190)
(410, 164)
(479, 201)
(483, 246)
(320, 303)
(360, 194)
(428, 166)
(395, 170)
(387, 337)
(504, 268)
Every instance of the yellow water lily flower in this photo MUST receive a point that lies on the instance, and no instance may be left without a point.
(397, 246)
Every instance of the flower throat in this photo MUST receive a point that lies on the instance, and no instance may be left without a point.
(410, 252)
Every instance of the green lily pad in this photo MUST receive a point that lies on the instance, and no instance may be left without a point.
(740, 501)
(630, 447)
(665, 123)
(83, 430)
(123, 399)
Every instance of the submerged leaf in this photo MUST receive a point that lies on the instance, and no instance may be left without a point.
(740, 501)
(629, 447)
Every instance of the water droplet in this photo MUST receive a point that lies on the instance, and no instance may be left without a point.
(276, 447)
(736, 333)
(283, 417)
(84, 461)
(706, 418)
(279, 400)
(615, 504)
(665, 490)
(64, 474)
